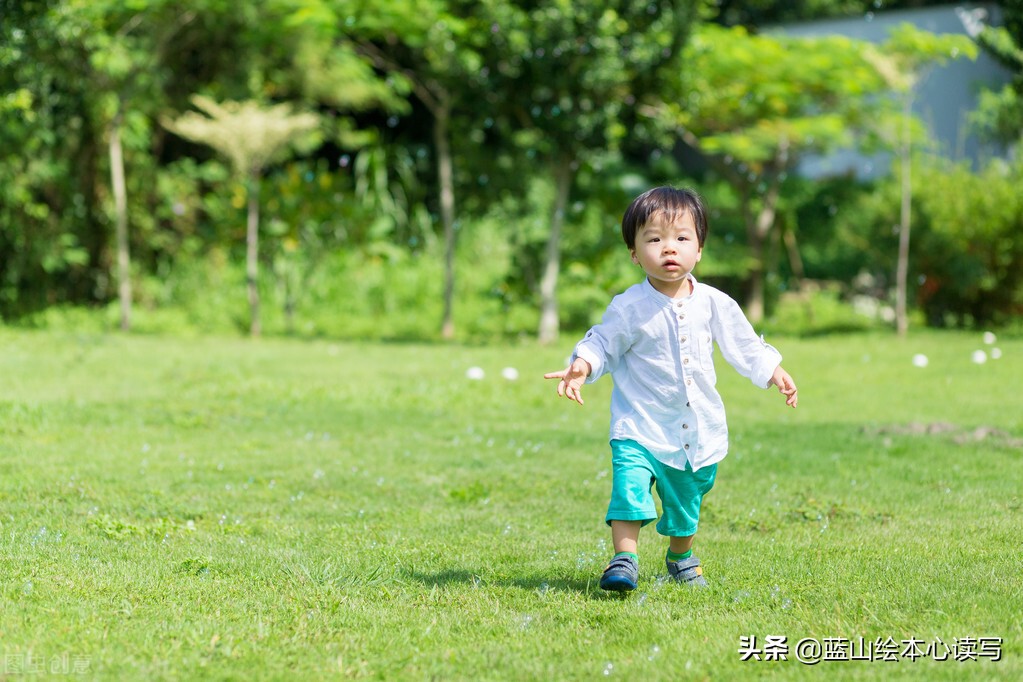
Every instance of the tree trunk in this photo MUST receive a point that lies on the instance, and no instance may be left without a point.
(902, 267)
(755, 302)
(121, 210)
(445, 174)
(758, 231)
(549, 325)
(252, 254)
(795, 259)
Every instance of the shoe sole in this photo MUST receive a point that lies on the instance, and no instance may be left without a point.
(617, 585)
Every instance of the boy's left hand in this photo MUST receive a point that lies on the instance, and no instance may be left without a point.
(785, 385)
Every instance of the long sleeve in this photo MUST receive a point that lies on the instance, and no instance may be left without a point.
(605, 343)
(748, 353)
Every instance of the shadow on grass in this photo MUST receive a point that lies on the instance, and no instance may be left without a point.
(541, 585)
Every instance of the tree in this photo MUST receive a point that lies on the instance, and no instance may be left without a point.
(87, 77)
(904, 61)
(126, 44)
(755, 106)
(566, 77)
(251, 136)
(1000, 114)
(432, 48)
(52, 236)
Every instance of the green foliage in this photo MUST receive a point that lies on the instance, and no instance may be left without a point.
(971, 256)
(818, 310)
(966, 263)
(748, 96)
(999, 115)
(249, 134)
(524, 82)
(572, 73)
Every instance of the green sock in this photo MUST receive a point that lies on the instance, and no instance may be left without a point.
(632, 554)
(676, 556)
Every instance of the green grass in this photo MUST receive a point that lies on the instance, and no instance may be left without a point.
(229, 509)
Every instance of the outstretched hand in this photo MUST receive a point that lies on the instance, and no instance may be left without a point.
(786, 386)
(572, 379)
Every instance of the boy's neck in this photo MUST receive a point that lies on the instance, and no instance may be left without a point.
(679, 289)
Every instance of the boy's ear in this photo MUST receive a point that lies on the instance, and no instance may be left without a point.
(634, 259)
(699, 254)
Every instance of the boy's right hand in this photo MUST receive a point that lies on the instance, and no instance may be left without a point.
(572, 379)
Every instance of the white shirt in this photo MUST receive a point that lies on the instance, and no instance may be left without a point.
(659, 351)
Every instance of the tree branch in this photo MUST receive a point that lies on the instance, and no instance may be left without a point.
(431, 94)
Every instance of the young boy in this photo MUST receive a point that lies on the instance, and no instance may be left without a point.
(668, 425)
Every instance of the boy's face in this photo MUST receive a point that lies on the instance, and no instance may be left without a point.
(668, 252)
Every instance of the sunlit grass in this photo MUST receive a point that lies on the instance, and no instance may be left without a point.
(221, 508)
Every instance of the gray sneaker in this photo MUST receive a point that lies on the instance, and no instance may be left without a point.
(687, 572)
(621, 575)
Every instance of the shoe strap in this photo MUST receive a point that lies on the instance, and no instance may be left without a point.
(620, 561)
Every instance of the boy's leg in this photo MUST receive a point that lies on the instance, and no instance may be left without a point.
(632, 503)
(631, 507)
(625, 535)
(680, 545)
(681, 493)
(622, 574)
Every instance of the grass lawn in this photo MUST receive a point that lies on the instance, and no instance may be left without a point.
(228, 509)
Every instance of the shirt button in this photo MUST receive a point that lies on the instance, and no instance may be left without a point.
(685, 426)
(687, 446)
(681, 316)
(689, 382)
(685, 361)
(680, 304)
(683, 339)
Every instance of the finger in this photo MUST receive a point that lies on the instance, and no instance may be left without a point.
(556, 375)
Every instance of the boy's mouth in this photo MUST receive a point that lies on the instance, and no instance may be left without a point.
(670, 264)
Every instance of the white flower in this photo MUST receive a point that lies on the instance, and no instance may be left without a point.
(919, 360)
(979, 357)
(989, 338)
(475, 373)
(510, 373)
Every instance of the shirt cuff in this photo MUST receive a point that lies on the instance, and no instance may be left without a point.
(765, 368)
(596, 366)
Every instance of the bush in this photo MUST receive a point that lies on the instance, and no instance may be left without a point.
(969, 245)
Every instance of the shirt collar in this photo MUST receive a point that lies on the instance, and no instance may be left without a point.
(663, 299)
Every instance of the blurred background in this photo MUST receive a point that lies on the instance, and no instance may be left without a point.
(457, 169)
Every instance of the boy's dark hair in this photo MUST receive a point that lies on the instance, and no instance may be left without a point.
(673, 202)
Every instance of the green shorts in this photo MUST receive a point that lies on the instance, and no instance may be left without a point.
(635, 471)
